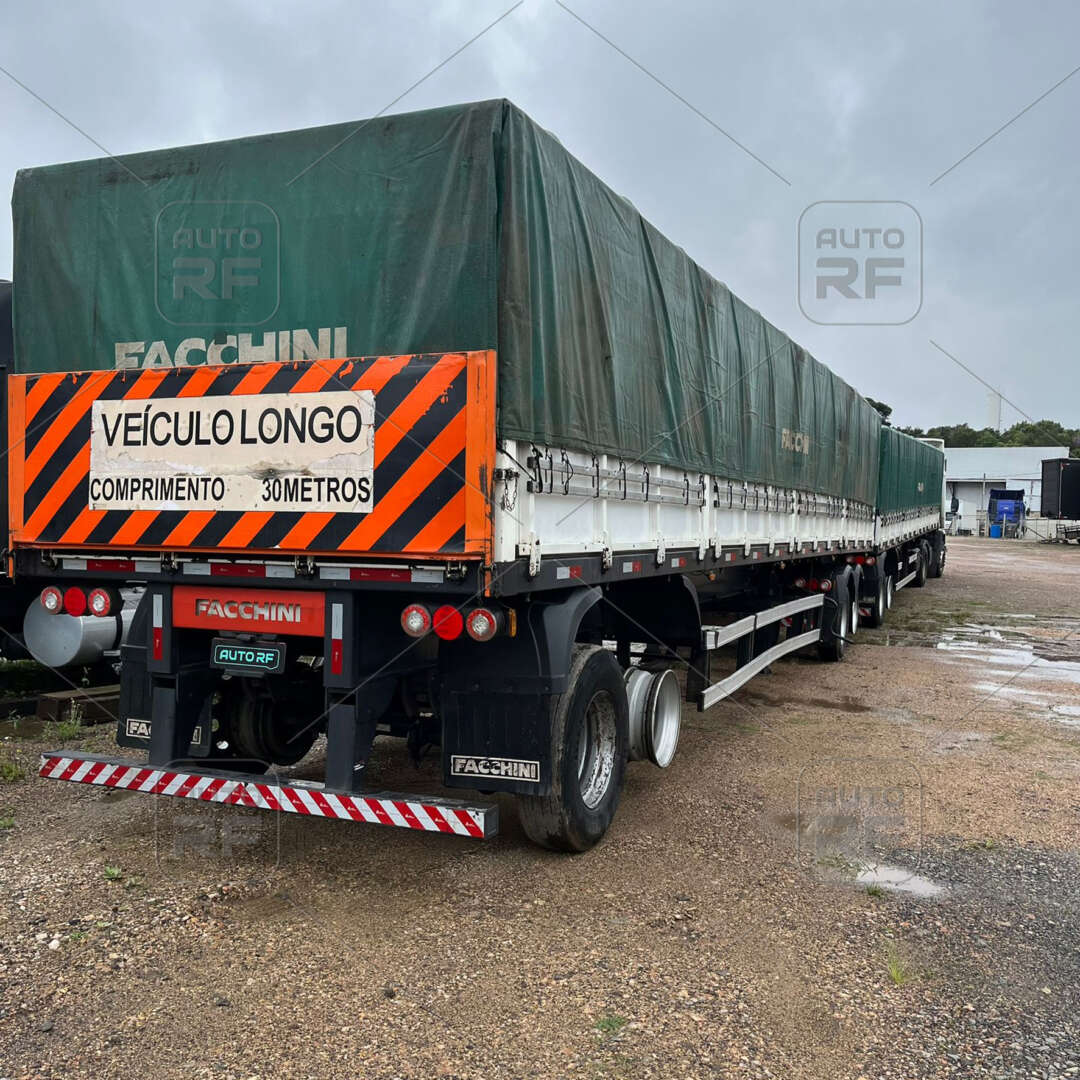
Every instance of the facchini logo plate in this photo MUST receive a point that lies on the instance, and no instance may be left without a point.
(495, 768)
(282, 611)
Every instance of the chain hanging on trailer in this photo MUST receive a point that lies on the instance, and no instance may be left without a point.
(509, 498)
(701, 490)
(596, 476)
(622, 478)
(686, 489)
(567, 470)
(645, 484)
(536, 481)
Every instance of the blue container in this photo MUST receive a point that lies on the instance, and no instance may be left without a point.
(995, 531)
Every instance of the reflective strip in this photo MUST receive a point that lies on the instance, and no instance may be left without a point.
(469, 822)
(396, 810)
(150, 780)
(394, 814)
(175, 784)
(428, 577)
(201, 784)
(306, 798)
(78, 775)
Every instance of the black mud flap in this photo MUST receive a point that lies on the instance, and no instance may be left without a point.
(495, 698)
(497, 742)
(134, 722)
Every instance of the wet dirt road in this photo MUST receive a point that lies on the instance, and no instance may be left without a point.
(865, 869)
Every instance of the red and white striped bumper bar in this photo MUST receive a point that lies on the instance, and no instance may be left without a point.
(479, 820)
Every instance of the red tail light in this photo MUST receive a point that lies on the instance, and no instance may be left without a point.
(826, 584)
(75, 601)
(416, 620)
(482, 624)
(813, 584)
(447, 622)
(104, 602)
(52, 600)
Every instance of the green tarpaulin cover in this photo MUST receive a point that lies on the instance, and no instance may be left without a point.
(911, 473)
(464, 227)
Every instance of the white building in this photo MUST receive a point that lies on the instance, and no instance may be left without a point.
(971, 471)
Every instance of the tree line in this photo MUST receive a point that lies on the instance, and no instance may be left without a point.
(1024, 433)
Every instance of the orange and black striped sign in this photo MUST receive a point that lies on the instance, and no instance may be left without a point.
(434, 448)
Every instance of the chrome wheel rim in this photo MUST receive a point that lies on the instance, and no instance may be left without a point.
(596, 756)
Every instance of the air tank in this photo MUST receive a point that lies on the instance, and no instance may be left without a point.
(58, 640)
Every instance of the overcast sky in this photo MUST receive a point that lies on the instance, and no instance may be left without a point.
(830, 103)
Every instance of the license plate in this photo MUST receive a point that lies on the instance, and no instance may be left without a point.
(265, 658)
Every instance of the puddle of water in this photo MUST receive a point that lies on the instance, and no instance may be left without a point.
(896, 879)
(1069, 715)
(1037, 659)
(1019, 693)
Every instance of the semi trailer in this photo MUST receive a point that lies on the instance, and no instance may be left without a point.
(414, 428)
(1061, 488)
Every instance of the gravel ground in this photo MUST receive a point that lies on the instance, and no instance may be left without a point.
(857, 870)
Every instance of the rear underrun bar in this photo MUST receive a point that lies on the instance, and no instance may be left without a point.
(430, 814)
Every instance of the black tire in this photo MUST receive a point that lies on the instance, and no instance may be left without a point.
(937, 560)
(589, 747)
(854, 592)
(879, 605)
(922, 566)
(835, 621)
(890, 591)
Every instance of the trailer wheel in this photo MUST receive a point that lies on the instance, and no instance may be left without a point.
(880, 603)
(937, 561)
(854, 591)
(922, 567)
(589, 747)
(836, 620)
(890, 591)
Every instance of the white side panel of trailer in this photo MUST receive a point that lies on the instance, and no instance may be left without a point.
(566, 502)
(895, 528)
